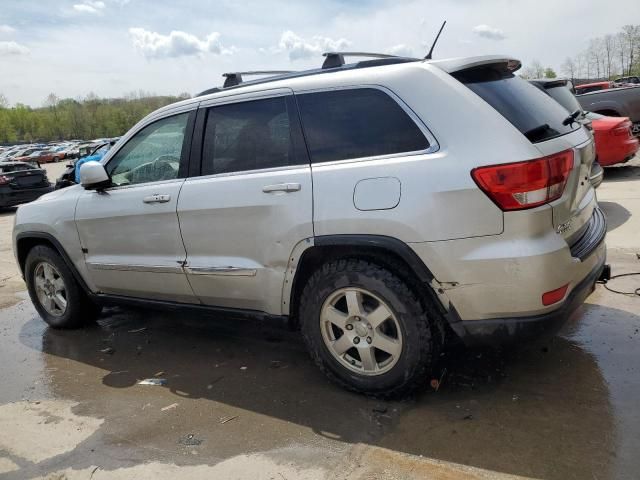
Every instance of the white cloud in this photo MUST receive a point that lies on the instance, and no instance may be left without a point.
(12, 48)
(401, 50)
(176, 44)
(491, 33)
(6, 29)
(299, 48)
(89, 6)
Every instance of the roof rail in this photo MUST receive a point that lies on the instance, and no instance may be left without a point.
(336, 59)
(235, 78)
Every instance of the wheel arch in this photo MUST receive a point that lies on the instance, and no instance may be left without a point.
(26, 241)
(387, 251)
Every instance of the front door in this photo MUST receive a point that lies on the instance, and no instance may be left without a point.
(251, 204)
(130, 231)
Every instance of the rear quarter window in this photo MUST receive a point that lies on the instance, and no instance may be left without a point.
(535, 114)
(357, 123)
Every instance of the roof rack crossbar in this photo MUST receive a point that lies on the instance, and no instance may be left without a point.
(235, 78)
(336, 59)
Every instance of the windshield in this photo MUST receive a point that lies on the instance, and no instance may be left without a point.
(531, 111)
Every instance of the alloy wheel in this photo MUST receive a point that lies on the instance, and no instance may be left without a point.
(361, 331)
(50, 289)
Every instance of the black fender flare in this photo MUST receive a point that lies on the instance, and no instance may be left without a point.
(394, 245)
(58, 246)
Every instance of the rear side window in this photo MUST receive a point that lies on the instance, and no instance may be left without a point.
(531, 111)
(247, 136)
(355, 123)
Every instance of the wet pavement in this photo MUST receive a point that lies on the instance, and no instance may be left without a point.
(244, 396)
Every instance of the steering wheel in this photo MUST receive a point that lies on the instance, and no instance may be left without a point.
(162, 167)
(164, 159)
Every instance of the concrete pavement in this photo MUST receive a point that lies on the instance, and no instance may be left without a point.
(242, 400)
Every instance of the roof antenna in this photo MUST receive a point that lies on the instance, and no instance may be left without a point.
(428, 57)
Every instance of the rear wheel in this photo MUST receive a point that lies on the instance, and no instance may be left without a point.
(367, 330)
(54, 291)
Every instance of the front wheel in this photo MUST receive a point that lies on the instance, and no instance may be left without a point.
(54, 291)
(367, 330)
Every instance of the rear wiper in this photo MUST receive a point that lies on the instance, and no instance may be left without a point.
(571, 118)
(536, 132)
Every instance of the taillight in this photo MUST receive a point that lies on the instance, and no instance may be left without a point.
(521, 185)
(4, 179)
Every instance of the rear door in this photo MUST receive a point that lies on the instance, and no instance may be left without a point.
(250, 202)
(130, 232)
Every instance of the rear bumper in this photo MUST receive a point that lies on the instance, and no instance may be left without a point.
(11, 198)
(619, 153)
(501, 331)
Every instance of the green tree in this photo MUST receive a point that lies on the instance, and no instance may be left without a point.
(88, 118)
(549, 73)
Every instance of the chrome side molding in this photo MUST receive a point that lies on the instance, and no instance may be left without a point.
(229, 271)
(136, 268)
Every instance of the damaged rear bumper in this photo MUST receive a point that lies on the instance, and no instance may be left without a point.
(501, 331)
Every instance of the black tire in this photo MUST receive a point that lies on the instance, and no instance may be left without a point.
(79, 311)
(420, 325)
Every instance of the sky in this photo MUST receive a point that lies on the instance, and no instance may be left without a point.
(115, 47)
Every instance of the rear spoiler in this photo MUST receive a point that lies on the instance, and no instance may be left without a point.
(454, 65)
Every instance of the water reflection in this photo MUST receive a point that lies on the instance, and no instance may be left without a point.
(543, 411)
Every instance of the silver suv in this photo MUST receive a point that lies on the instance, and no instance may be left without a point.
(382, 206)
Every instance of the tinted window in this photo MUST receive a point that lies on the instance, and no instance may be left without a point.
(16, 167)
(537, 116)
(356, 123)
(247, 136)
(152, 154)
(564, 97)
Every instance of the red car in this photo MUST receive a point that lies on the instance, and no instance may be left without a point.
(42, 156)
(592, 87)
(615, 142)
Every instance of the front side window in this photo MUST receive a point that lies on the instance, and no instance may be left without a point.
(356, 123)
(247, 136)
(151, 155)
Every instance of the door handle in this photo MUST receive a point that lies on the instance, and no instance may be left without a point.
(157, 198)
(282, 187)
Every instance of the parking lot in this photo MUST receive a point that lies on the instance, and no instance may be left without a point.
(243, 399)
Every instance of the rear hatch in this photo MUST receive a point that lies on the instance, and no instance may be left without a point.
(544, 123)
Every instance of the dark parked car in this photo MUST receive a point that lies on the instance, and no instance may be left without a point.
(627, 80)
(22, 182)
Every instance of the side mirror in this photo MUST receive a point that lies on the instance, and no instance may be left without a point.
(93, 176)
